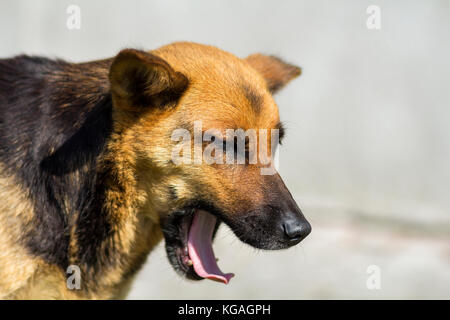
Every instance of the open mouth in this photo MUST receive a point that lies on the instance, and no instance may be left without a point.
(189, 237)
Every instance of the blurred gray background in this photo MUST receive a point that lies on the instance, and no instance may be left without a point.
(367, 154)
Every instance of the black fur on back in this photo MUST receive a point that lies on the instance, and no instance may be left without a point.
(55, 119)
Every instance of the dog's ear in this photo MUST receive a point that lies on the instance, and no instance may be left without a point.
(276, 72)
(140, 80)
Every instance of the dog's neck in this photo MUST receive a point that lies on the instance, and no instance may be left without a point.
(88, 209)
(112, 231)
(115, 233)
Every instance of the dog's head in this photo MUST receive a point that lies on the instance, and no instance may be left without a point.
(183, 105)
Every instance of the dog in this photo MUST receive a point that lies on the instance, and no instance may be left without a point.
(87, 177)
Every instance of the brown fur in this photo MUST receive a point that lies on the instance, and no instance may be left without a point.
(183, 82)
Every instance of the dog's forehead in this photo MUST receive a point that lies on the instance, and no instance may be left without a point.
(224, 90)
(230, 107)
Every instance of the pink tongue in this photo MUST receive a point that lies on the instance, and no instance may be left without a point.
(200, 248)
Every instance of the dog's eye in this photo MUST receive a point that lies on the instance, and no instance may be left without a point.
(281, 132)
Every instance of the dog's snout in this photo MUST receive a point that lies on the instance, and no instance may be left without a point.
(295, 227)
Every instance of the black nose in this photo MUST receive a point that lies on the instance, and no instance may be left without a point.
(296, 227)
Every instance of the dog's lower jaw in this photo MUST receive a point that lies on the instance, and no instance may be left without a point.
(177, 228)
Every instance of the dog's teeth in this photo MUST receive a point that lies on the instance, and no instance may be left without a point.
(189, 263)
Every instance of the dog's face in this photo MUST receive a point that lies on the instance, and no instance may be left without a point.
(202, 91)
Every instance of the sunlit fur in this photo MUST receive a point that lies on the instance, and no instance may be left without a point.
(77, 191)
